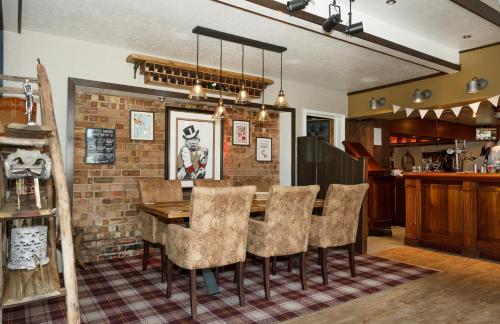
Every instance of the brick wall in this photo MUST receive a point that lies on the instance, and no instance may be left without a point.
(105, 196)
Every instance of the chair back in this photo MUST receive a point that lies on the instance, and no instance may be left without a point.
(342, 206)
(288, 212)
(213, 183)
(219, 216)
(159, 190)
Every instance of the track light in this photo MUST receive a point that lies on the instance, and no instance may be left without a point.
(332, 20)
(352, 29)
(476, 84)
(296, 5)
(375, 103)
(420, 96)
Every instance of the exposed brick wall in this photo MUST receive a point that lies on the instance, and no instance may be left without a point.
(105, 196)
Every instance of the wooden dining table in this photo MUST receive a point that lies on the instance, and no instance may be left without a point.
(174, 211)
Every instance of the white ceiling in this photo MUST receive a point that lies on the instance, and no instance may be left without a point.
(163, 28)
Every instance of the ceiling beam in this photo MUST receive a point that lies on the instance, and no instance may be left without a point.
(481, 9)
(309, 17)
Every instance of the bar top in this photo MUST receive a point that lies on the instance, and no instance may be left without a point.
(460, 176)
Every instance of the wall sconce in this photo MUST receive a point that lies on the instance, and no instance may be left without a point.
(476, 84)
(420, 96)
(375, 103)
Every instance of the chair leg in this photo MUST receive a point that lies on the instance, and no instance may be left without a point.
(352, 263)
(216, 274)
(169, 276)
(324, 266)
(145, 255)
(266, 278)
(303, 270)
(290, 263)
(192, 291)
(320, 257)
(273, 268)
(240, 266)
(162, 252)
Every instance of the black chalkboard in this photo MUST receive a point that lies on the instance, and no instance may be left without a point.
(100, 145)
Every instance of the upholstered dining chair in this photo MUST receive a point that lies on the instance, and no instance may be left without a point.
(338, 224)
(216, 237)
(213, 183)
(285, 229)
(151, 191)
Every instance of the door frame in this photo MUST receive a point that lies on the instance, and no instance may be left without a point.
(338, 124)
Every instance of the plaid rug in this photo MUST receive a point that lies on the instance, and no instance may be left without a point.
(118, 291)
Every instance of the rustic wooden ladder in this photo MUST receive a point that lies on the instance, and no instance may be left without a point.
(45, 136)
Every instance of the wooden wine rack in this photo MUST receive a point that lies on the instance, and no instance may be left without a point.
(175, 74)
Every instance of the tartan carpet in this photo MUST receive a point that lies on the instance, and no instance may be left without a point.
(118, 291)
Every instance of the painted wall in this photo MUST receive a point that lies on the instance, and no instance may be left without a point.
(447, 90)
(66, 57)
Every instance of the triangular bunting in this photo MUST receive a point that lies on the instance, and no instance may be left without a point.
(438, 112)
(456, 110)
(494, 100)
(475, 106)
(422, 112)
(409, 111)
(395, 108)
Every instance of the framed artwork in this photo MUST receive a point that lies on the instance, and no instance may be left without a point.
(264, 148)
(141, 125)
(100, 145)
(241, 132)
(194, 146)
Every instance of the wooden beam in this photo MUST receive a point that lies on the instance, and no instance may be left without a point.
(481, 9)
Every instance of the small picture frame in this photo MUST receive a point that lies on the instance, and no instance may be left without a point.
(141, 125)
(241, 132)
(264, 148)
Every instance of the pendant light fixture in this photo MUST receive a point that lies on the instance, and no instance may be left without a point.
(220, 110)
(242, 97)
(197, 91)
(281, 101)
(263, 115)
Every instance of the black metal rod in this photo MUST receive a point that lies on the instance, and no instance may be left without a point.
(197, 54)
(220, 71)
(281, 71)
(238, 39)
(19, 15)
(263, 85)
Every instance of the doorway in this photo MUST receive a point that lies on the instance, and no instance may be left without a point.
(328, 126)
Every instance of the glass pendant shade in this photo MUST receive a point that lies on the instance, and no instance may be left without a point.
(281, 101)
(220, 111)
(197, 92)
(263, 115)
(242, 97)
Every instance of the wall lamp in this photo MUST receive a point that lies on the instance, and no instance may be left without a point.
(476, 84)
(352, 29)
(296, 5)
(334, 20)
(420, 96)
(375, 103)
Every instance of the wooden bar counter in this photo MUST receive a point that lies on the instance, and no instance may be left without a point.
(454, 212)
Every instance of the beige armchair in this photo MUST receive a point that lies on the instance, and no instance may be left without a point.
(213, 183)
(339, 223)
(217, 235)
(285, 229)
(151, 191)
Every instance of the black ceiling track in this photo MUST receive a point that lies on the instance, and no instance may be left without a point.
(238, 39)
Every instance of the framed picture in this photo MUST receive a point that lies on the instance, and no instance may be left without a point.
(194, 146)
(100, 145)
(241, 132)
(141, 125)
(264, 148)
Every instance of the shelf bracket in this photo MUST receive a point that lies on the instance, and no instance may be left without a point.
(136, 66)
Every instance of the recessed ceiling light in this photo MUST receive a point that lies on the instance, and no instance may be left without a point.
(390, 2)
(466, 36)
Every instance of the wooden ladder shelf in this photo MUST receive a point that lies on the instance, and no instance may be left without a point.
(43, 282)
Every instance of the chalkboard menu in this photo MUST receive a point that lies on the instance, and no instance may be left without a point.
(100, 145)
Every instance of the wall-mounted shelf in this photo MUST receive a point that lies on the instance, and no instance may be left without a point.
(175, 74)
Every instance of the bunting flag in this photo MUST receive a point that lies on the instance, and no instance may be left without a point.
(438, 112)
(409, 111)
(422, 112)
(456, 110)
(494, 100)
(395, 108)
(475, 106)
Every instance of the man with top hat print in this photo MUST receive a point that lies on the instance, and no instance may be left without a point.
(192, 157)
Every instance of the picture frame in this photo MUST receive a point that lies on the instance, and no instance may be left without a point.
(141, 125)
(241, 132)
(100, 146)
(264, 149)
(193, 146)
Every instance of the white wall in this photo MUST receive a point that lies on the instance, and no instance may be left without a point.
(66, 57)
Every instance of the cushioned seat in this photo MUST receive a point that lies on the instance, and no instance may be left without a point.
(213, 183)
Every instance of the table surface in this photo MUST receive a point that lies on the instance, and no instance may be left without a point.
(180, 209)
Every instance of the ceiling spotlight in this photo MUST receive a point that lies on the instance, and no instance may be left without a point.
(420, 96)
(390, 2)
(332, 20)
(466, 36)
(476, 84)
(352, 29)
(375, 103)
(296, 5)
